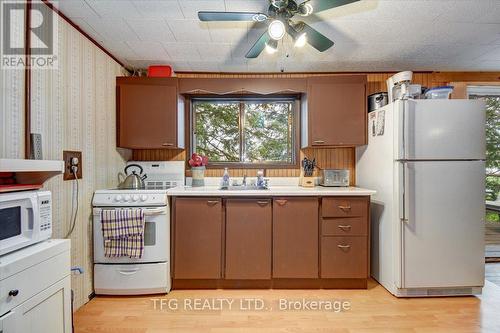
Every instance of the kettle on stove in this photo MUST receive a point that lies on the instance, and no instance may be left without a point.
(133, 181)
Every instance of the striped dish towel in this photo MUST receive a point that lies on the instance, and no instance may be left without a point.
(123, 232)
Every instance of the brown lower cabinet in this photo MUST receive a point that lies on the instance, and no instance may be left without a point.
(197, 238)
(248, 239)
(281, 242)
(295, 237)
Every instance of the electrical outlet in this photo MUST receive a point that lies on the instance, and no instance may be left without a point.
(68, 157)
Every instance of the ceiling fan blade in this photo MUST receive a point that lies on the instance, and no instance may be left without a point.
(231, 16)
(317, 6)
(317, 40)
(259, 45)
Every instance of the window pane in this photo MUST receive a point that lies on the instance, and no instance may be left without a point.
(216, 126)
(267, 132)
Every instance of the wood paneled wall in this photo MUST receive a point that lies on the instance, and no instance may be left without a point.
(326, 157)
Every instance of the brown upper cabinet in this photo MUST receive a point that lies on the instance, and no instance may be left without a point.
(149, 113)
(334, 111)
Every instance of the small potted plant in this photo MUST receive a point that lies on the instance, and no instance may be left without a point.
(197, 164)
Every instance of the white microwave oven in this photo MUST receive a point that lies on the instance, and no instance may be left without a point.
(25, 219)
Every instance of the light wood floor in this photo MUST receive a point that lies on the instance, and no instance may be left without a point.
(372, 310)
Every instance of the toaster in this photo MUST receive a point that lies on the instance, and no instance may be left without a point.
(334, 177)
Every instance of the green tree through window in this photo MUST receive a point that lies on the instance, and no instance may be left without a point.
(244, 131)
(492, 148)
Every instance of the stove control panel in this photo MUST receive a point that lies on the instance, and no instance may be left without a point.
(130, 199)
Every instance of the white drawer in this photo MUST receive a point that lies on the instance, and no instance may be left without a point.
(33, 280)
(131, 279)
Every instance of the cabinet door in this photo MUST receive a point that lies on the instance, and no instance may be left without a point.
(198, 238)
(337, 111)
(248, 239)
(146, 113)
(47, 312)
(295, 238)
(344, 257)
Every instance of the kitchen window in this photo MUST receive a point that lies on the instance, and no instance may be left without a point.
(251, 132)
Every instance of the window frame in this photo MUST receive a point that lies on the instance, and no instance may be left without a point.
(294, 98)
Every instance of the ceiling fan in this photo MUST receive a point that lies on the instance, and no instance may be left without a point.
(278, 20)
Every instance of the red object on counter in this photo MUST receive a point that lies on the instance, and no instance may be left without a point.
(159, 71)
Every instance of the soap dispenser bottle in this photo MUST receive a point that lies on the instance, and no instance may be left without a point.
(225, 179)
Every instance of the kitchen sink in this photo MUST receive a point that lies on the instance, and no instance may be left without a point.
(244, 188)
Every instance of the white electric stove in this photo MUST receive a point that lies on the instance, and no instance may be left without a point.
(151, 273)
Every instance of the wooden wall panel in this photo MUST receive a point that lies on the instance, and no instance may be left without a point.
(326, 157)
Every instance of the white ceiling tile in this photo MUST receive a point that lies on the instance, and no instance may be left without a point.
(204, 66)
(148, 51)
(75, 8)
(113, 29)
(493, 55)
(159, 9)
(190, 8)
(214, 51)
(180, 66)
(260, 6)
(227, 32)
(82, 24)
(115, 8)
(374, 35)
(469, 11)
(120, 49)
(151, 30)
(182, 51)
(189, 30)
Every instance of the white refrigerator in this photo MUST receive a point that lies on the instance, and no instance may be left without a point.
(426, 160)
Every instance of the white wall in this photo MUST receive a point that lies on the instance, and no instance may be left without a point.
(73, 108)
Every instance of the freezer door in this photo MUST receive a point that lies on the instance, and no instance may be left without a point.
(441, 129)
(442, 239)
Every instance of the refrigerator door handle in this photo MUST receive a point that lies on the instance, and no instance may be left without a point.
(403, 131)
(403, 192)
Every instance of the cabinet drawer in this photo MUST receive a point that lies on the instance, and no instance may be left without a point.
(33, 280)
(344, 257)
(344, 207)
(347, 226)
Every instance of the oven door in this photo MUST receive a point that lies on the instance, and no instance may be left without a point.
(19, 221)
(156, 237)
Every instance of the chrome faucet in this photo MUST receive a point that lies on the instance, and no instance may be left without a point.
(244, 182)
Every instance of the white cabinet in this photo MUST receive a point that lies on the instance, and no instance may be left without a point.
(35, 289)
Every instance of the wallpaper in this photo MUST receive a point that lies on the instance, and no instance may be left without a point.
(73, 108)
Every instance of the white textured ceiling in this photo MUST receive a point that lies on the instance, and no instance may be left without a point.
(370, 35)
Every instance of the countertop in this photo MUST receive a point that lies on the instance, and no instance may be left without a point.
(273, 191)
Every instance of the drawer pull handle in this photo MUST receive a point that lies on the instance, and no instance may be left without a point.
(167, 144)
(345, 208)
(319, 141)
(344, 227)
(281, 202)
(212, 202)
(262, 203)
(14, 292)
(344, 246)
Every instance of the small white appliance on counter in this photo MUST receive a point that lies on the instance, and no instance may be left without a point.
(426, 160)
(151, 273)
(25, 219)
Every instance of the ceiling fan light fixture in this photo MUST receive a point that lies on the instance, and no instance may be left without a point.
(305, 9)
(271, 46)
(276, 29)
